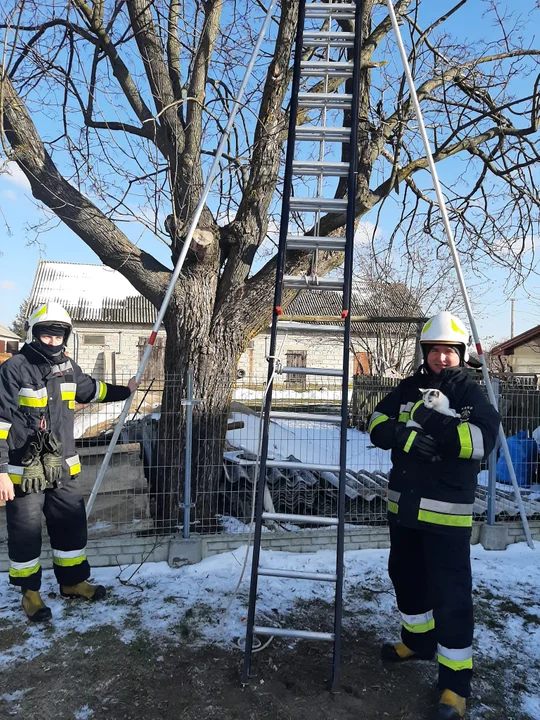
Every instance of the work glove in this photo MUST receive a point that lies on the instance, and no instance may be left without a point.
(415, 442)
(52, 458)
(33, 479)
(433, 422)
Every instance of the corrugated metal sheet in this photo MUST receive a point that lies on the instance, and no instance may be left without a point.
(90, 293)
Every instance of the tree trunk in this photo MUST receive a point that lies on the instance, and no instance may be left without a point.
(213, 360)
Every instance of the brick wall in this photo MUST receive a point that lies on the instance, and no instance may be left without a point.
(122, 340)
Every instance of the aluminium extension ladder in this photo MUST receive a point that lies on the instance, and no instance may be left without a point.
(325, 89)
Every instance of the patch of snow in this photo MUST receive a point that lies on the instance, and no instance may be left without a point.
(310, 442)
(84, 713)
(156, 600)
(531, 705)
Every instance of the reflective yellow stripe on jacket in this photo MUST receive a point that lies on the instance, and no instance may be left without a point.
(471, 442)
(101, 392)
(393, 501)
(68, 390)
(4, 429)
(375, 419)
(74, 464)
(438, 512)
(15, 473)
(33, 398)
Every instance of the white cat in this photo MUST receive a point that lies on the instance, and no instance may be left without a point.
(435, 400)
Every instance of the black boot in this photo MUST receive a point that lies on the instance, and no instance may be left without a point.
(399, 652)
(34, 607)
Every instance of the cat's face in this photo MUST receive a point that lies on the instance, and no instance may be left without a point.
(432, 398)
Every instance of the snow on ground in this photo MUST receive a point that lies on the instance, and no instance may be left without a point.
(321, 396)
(310, 442)
(155, 598)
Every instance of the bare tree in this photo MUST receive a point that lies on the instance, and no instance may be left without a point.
(18, 324)
(112, 110)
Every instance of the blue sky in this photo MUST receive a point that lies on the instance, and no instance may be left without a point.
(21, 249)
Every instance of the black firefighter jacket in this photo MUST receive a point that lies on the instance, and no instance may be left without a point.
(436, 494)
(36, 392)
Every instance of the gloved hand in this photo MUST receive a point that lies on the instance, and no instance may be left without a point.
(33, 479)
(415, 442)
(52, 458)
(433, 422)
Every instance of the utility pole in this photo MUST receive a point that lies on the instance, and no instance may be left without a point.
(512, 318)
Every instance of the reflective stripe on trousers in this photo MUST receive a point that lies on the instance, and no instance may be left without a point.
(421, 623)
(69, 558)
(23, 569)
(455, 659)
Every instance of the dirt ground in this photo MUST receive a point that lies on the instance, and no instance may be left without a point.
(99, 675)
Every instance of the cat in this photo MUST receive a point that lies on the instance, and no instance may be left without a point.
(435, 400)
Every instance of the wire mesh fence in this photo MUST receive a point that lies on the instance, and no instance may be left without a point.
(143, 489)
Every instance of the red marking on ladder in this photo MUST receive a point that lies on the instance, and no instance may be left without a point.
(279, 310)
(152, 338)
(344, 313)
(479, 349)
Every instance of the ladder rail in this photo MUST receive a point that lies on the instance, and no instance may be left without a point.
(285, 214)
(321, 169)
(347, 293)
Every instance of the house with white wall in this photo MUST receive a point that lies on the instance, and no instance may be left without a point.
(112, 322)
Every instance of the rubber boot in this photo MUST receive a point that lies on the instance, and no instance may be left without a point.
(34, 607)
(83, 590)
(451, 706)
(398, 652)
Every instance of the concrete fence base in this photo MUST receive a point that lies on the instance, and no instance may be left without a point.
(130, 549)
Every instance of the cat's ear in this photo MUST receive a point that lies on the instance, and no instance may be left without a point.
(423, 390)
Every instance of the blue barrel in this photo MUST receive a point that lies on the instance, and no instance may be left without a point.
(524, 454)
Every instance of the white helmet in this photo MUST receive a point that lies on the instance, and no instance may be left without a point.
(445, 329)
(49, 314)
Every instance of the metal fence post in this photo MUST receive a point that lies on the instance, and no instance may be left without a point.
(492, 464)
(189, 402)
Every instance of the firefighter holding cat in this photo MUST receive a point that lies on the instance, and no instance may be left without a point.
(431, 491)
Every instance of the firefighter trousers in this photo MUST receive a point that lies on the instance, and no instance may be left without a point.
(431, 574)
(65, 516)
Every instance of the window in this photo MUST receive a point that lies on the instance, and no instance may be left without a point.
(296, 358)
(93, 339)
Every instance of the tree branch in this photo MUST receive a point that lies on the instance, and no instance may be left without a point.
(71, 207)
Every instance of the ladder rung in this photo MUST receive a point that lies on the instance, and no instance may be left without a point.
(297, 465)
(297, 574)
(306, 282)
(321, 11)
(290, 326)
(317, 167)
(306, 417)
(328, 39)
(318, 204)
(310, 371)
(307, 242)
(312, 519)
(316, 133)
(319, 68)
(333, 101)
(300, 634)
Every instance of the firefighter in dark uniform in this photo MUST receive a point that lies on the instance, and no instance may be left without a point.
(38, 461)
(431, 492)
